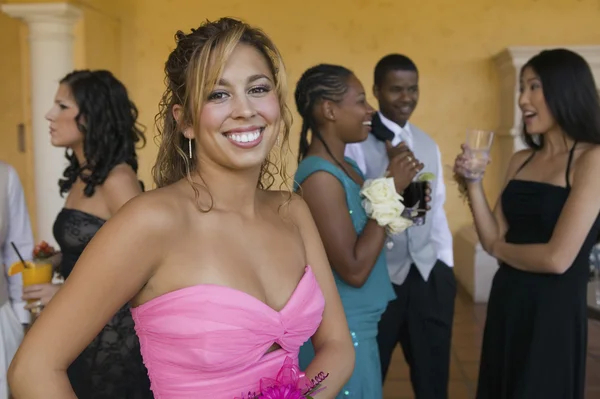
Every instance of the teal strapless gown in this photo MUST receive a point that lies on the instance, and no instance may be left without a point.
(363, 306)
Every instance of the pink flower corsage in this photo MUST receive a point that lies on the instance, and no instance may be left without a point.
(290, 383)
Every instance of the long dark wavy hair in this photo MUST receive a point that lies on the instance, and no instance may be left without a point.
(108, 121)
(570, 92)
(318, 83)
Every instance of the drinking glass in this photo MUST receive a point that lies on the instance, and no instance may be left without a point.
(414, 201)
(37, 273)
(479, 143)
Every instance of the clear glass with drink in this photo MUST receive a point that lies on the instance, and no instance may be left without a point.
(478, 143)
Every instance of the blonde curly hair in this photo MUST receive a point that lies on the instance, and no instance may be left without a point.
(192, 70)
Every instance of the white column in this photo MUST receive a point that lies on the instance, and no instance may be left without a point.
(51, 57)
(474, 268)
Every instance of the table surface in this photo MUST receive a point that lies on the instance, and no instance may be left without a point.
(593, 307)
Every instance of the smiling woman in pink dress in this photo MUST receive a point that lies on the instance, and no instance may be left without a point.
(227, 279)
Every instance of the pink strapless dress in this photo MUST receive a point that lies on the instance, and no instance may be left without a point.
(210, 341)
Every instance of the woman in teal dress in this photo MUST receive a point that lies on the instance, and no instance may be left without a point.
(333, 106)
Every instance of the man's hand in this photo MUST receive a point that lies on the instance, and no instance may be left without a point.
(428, 196)
(403, 166)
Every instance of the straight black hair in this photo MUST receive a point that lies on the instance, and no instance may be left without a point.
(570, 93)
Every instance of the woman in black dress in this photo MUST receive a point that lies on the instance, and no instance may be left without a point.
(542, 231)
(94, 119)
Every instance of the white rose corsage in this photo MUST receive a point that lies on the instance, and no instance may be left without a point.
(384, 205)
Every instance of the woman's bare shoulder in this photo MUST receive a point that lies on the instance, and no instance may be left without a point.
(587, 163)
(519, 157)
(590, 152)
(290, 205)
(516, 161)
(158, 210)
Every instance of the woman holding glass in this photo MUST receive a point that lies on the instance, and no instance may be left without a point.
(333, 106)
(542, 231)
(95, 121)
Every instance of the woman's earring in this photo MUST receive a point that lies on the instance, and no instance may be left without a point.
(190, 147)
(278, 141)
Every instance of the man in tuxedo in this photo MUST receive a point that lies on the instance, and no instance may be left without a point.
(421, 259)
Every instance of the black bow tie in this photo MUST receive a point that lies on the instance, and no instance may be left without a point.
(379, 130)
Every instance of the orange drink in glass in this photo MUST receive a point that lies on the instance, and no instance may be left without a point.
(33, 273)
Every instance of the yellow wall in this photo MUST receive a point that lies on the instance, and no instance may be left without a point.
(452, 45)
(13, 101)
(98, 36)
(97, 45)
(11, 112)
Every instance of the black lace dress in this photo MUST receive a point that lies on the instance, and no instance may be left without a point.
(111, 366)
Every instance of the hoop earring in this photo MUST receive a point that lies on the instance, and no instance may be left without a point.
(190, 147)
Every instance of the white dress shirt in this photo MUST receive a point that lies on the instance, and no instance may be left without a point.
(441, 236)
(18, 230)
